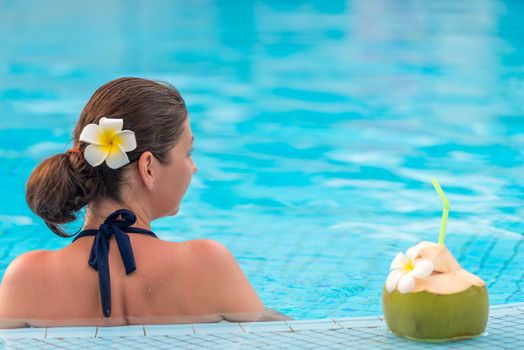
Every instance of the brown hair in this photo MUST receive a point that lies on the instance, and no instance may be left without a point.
(63, 184)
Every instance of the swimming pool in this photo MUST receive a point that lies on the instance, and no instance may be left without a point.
(317, 128)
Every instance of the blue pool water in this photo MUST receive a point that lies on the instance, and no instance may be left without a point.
(317, 128)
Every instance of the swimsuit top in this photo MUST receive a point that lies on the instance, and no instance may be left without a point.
(98, 259)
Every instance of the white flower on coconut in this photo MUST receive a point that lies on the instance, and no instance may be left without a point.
(405, 268)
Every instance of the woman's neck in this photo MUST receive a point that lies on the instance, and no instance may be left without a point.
(96, 213)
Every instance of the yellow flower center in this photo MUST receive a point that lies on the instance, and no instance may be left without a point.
(109, 138)
(409, 265)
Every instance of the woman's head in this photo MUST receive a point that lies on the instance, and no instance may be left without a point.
(62, 185)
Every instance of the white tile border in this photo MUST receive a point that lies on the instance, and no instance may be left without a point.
(120, 331)
(71, 332)
(221, 327)
(38, 333)
(359, 322)
(271, 326)
(320, 324)
(169, 329)
(210, 328)
(501, 312)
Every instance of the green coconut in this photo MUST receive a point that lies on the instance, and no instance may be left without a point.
(427, 316)
(449, 304)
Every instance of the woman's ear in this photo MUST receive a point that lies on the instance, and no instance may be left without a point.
(145, 169)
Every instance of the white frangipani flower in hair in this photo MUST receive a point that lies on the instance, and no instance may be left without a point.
(108, 142)
(405, 268)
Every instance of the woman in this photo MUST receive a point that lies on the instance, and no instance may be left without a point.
(131, 160)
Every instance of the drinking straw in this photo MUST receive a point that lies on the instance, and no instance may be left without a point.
(445, 211)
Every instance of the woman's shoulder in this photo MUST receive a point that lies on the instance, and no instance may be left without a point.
(21, 283)
(208, 248)
(26, 267)
(208, 256)
(25, 273)
(197, 250)
(218, 278)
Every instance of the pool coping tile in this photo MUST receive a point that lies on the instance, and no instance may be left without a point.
(71, 332)
(320, 324)
(501, 312)
(169, 329)
(202, 330)
(208, 328)
(356, 322)
(120, 331)
(503, 306)
(23, 333)
(271, 326)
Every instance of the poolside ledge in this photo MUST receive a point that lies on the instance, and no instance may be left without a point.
(505, 331)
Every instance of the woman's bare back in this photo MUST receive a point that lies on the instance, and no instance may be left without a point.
(193, 281)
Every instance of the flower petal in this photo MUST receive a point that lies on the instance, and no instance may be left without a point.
(93, 134)
(406, 283)
(412, 252)
(423, 268)
(398, 262)
(393, 278)
(96, 154)
(116, 158)
(111, 125)
(126, 140)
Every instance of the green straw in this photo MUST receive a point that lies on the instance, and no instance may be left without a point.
(445, 211)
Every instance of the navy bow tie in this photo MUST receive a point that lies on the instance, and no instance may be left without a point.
(98, 259)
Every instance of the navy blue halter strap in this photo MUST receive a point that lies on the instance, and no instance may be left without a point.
(98, 259)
